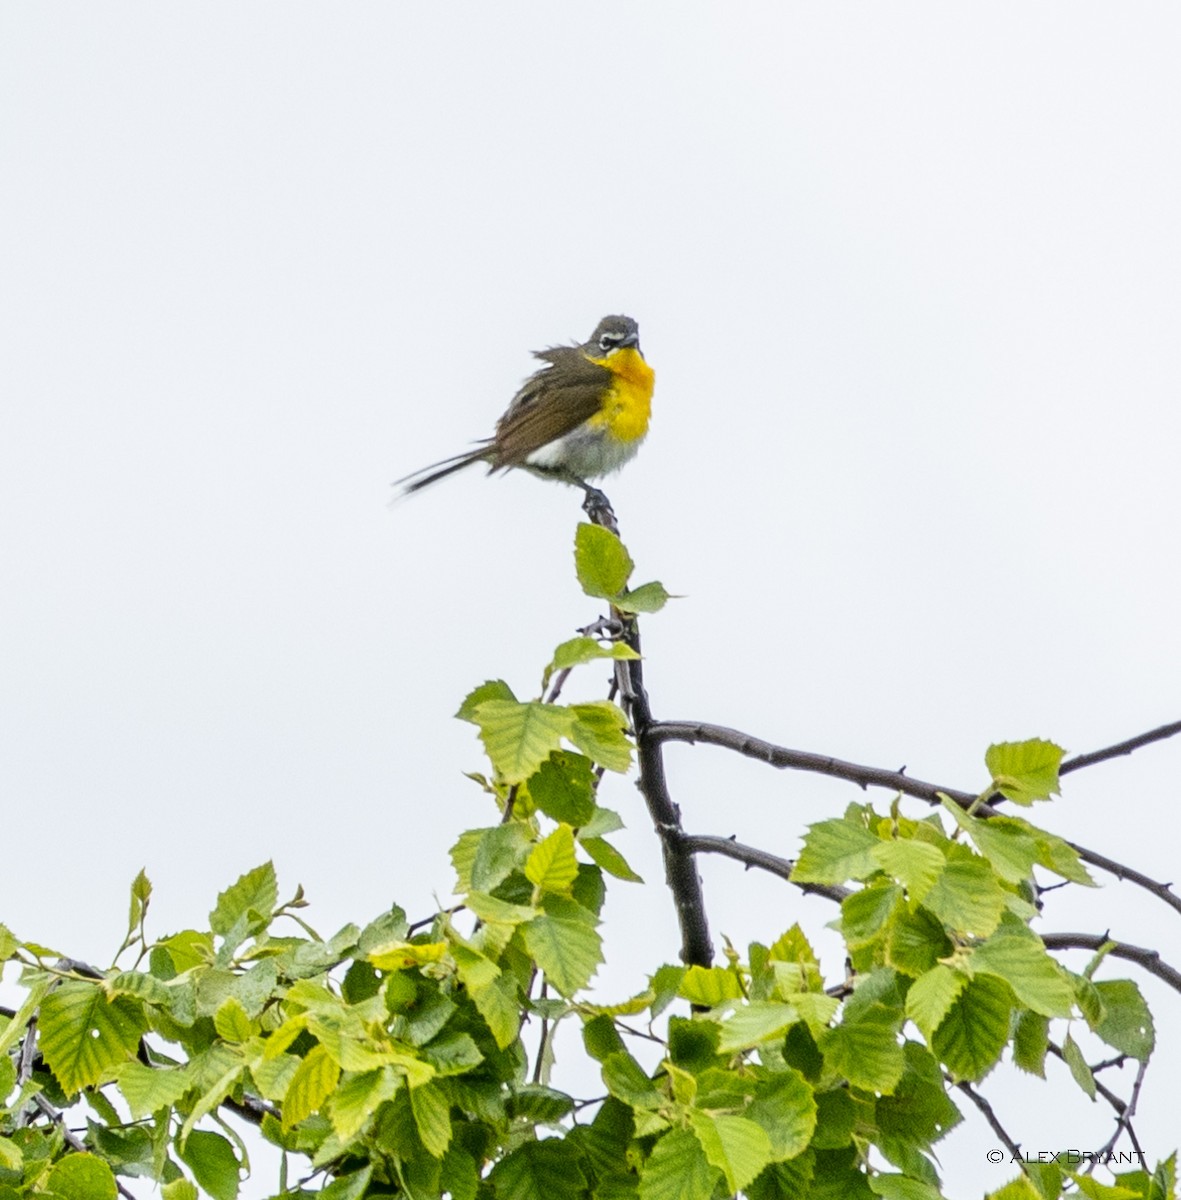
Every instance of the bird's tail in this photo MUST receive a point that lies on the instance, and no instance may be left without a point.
(417, 480)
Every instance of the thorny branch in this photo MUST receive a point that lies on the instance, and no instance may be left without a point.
(1149, 960)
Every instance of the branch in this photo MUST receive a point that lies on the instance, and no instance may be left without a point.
(865, 777)
(753, 857)
(680, 867)
(1120, 748)
(986, 1110)
(1149, 960)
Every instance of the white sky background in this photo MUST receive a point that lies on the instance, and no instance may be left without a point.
(908, 275)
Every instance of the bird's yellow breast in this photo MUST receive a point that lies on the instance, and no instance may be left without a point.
(627, 405)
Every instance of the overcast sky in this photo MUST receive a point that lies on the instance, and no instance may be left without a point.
(909, 278)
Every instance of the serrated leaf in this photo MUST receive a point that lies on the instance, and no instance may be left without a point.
(601, 561)
(606, 856)
(754, 1024)
(677, 1169)
(1037, 980)
(579, 650)
(232, 1022)
(212, 1160)
(8, 943)
(563, 787)
(520, 737)
(975, 1030)
(313, 1082)
(967, 898)
(357, 1098)
(865, 1050)
(538, 1171)
(739, 1148)
(552, 866)
(836, 851)
(864, 913)
(566, 948)
(1006, 842)
(149, 1089)
(493, 689)
(494, 994)
(185, 950)
(916, 942)
(785, 1107)
(498, 852)
(914, 864)
(1024, 771)
(1031, 1040)
(251, 900)
(932, 995)
(901, 1187)
(81, 1177)
(141, 891)
(647, 598)
(709, 985)
(180, 1189)
(84, 1036)
(1127, 1022)
(1078, 1066)
(432, 1116)
(599, 732)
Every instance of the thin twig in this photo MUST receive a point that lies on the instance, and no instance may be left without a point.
(993, 1120)
(865, 777)
(71, 1138)
(1120, 748)
(1149, 960)
(761, 859)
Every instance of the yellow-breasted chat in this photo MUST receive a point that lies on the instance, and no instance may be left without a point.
(582, 415)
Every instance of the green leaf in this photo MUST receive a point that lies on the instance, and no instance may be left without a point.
(1017, 1189)
(540, 1105)
(432, 1116)
(1078, 1066)
(1031, 1040)
(709, 986)
(971, 1037)
(141, 891)
(356, 1099)
(899, 1187)
(836, 851)
(647, 598)
(351, 1187)
(785, 1107)
(81, 1177)
(864, 913)
(520, 737)
(581, 650)
(967, 897)
(865, 1050)
(601, 561)
(606, 856)
(932, 995)
(1006, 842)
(232, 1021)
(563, 787)
(1022, 962)
(250, 900)
(185, 950)
(494, 994)
(1024, 771)
(313, 1082)
(212, 1160)
(565, 946)
(1127, 1023)
(493, 689)
(914, 864)
(677, 1169)
(8, 943)
(739, 1148)
(498, 852)
(551, 866)
(599, 732)
(538, 1171)
(84, 1036)
(179, 1189)
(149, 1089)
(753, 1024)
(625, 1080)
(916, 942)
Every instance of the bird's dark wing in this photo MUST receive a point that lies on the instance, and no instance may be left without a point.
(551, 403)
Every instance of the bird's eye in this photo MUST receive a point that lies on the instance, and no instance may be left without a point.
(609, 341)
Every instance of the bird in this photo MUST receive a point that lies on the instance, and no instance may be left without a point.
(580, 416)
